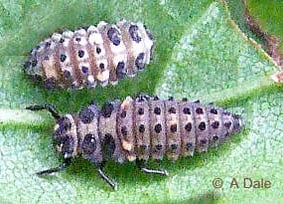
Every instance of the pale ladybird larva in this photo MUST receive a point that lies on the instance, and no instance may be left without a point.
(87, 56)
(139, 129)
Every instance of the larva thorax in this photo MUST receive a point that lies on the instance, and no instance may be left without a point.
(97, 54)
(143, 128)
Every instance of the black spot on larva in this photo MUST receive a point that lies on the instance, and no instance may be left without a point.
(215, 138)
(140, 111)
(47, 44)
(203, 142)
(172, 110)
(63, 57)
(186, 111)
(84, 69)
(113, 36)
(202, 126)
(158, 147)
(107, 110)
(155, 98)
(123, 114)
(173, 128)
(120, 70)
(67, 143)
(86, 115)
(213, 111)
(157, 110)
(64, 126)
(189, 145)
(227, 124)
(139, 61)
(141, 128)
(171, 98)
(143, 148)
(199, 111)
(61, 40)
(174, 146)
(188, 127)
(98, 50)
(89, 144)
(50, 83)
(133, 30)
(101, 66)
(108, 146)
(124, 131)
(66, 74)
(27, 64)
(215, 124)
(78, 39)
(158, 128)
(46, 58)
(33, 62)
(81, 53)
(184, 99)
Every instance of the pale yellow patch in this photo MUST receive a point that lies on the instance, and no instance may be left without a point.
(127, 145)
(131, 158)
(126, 103)
(49, 69)
(103, 76)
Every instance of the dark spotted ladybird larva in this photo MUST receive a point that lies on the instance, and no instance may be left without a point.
(97, 54)
(139, 129)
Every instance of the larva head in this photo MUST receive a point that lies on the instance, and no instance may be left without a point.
(65, 136)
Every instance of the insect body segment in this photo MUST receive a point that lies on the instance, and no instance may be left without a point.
(85, 57)
(139, 129)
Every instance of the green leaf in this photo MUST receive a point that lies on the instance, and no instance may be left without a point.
(200, 54)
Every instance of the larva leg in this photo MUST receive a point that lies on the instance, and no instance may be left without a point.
(141, 166)
(63, 166)
(48, 107)
(105, 177)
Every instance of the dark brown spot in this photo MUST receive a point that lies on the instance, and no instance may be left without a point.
(215, 124)
(158, 147)
(78, 39)
(123, 114)
(107, 110)
(113, 36)
(63, 57)
(215, 138)
(171, 98)
(141, 111)
(139, 61)
(172, 110)
(61, 40)
(120, 70)
(188, 127)
(141, 128)
(86, 115)
(199, 111)
(98, 50)
(184, 99)
(124, 131)
(174, 146)
(173, 128)
(89, 144)
(157, 110)
(158, 128)
(202, 126)
(101, 66)
(133, 30)
(84, 69)
(189, 145)
(213, 111)
(203, 142)
(227, 124)
(81, 53)
(66, 74)
(108, 146)
(50, 83)
(155, 98)
(186, 111)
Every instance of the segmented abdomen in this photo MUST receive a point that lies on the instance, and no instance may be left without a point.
(102, 54)
(148, 127)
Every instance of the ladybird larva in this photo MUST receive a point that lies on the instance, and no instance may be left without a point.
(97, 54)
(139, 129)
